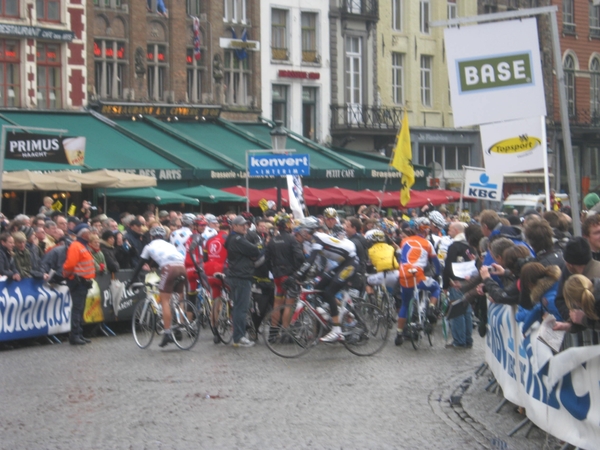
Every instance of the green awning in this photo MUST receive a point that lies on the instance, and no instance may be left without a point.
(106, 147)
(151, 195)
(209, 195)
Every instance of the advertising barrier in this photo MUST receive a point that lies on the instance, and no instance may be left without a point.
(560, 392)
(31, 308)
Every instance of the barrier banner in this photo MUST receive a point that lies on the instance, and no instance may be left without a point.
(99, 305)
(560, 393)
(30, 308)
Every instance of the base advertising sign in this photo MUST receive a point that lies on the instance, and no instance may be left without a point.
(481, 185)
(514, 146)
(278, 165)
(560, 392)
(495, 72)
(46, 148)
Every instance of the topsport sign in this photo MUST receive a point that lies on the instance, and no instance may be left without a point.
(495, 72)
(278, 165)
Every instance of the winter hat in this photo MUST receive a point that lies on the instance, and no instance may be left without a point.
(590, 200)
(578, 251)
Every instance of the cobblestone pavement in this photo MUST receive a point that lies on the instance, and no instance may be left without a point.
(110, 394)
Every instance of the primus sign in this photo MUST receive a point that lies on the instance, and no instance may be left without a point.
(45, 147)
(495, 72)
(261, 165)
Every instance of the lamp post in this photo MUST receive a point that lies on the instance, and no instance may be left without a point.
(278, 141)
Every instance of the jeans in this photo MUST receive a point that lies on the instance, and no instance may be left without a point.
(240, 293)
(461, 326)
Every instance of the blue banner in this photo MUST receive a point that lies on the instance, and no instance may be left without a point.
(278, 165)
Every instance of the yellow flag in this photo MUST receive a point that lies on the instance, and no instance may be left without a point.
(72, 209)
(402, 161)
(57, 205)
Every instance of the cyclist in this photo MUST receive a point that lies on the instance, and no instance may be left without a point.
(194, 259)
(331, 218)
(383, 259)
(415, 254)
(171, 266)
(438, 236)
(180, 236)
(340, 254)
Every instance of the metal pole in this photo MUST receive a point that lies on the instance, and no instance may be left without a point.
(462, 190)
(566, 129)
(2, 160)
(545, 162)
(247, 184)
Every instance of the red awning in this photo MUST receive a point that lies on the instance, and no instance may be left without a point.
(324, 197)
(254, 194)
(354, 198)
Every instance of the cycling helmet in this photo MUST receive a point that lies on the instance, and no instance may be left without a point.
(330, 213)
(158, 232)
(248, 216)
(200, 221)
(338, 231)
(437, 219)
(224, 220)
(375, 235)
(309, 224)
(283, 220)
(422, 224)
(188, 219)
(464, 217)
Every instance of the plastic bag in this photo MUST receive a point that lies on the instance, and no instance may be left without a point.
(117, 289)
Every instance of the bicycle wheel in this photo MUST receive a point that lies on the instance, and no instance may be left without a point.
(224, 320)
(186, 324)
(367, 333)
(428, 328)
(388, 307)
(143, 324)
(414, 324)
(204, 301)
(294, 340)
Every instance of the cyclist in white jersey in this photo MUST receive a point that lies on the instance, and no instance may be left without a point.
(171, 266)
(340, 253)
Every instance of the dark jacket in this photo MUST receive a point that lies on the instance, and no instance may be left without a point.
(261, 268)
(509, 295)
(361, 245)
(241, 255)
(124, 255)
(27, 264)
(284, 254)
(137, 242)
(54, 260)
(7, 263)
(552, 258)
(458, 251)
(112, 265)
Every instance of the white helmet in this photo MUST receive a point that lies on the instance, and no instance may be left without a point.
(437, 219)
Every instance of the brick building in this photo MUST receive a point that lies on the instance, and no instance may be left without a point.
(144, 52)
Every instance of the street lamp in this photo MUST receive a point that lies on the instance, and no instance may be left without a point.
(278, 141)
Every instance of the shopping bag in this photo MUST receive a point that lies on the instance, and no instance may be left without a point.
(117, 289)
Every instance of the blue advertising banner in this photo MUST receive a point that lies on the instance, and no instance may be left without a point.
(278, 165)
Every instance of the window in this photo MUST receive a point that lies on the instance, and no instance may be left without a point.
(354, 78)
(236, 78)
(280, 103)
(397, 15)
(595, 88)
(452, 9)
(194, 77)
(450, 157)
(424, 16)
(234, 11)
(594, 20)
(9, 8)
(354, 6)
(398, 78)
(156, 58)
(109, 67)
(111, 3)
(48, 76)
(48, 10)
(192, 7)
(569, 16)
(309, 37)
(570, 84)
(10, 93)
(309, 113)
(426, 80)
(279, 45)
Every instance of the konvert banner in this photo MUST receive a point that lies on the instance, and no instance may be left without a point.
(278, 164)
(45, 147)
(513, 146)
(481, 185)
(495, 72)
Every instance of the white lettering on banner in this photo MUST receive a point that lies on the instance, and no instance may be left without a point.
(278, 161)
(563, 402)
(146, 172)
(348, 173)
(394, 174)
(173, 174)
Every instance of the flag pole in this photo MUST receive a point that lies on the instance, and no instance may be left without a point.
(390, 162)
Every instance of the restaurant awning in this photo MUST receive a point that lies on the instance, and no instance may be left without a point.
(108, 179)
(151, 195)
(205, 194)
(26, 180)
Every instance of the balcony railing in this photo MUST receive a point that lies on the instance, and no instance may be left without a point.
(585, 118)
(367, 9)
(357, 116)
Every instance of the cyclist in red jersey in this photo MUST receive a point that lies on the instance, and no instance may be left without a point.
(215, 256)
(194, 257)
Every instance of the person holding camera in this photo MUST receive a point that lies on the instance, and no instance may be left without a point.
(79, 271)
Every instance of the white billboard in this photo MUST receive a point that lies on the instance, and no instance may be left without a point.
(513, 146)
(495, 72)
(482, 185)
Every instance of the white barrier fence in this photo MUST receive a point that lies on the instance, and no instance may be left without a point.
(560, 392)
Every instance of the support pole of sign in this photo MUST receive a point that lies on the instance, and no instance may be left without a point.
(462, 190)
(274, 152)
(247, 183)
(5, 129)
(560, 78)
(546, 174)
(24, 201)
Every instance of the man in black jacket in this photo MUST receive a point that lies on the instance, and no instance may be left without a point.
(353, 227)
(241, 255)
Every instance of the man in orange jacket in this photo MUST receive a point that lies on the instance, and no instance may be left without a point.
(79, 271)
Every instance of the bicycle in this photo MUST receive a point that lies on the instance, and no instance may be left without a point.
(291, 330)
(417, 316)
(147, 317)
(381, 298)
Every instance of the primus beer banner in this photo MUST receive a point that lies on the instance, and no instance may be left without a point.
(495, 72)
(513, 146)
(46, 148)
